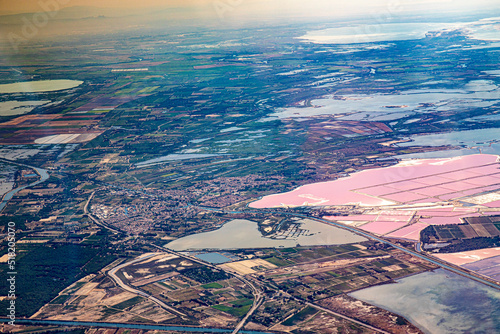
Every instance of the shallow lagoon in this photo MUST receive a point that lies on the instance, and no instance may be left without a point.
(374, 33)
(240, 233)
(439, 302)
(386, 107)
(478, 141)
(175, 157)
(485, 29)
(491, 149)
(457, 138)
(474, 141)
(13, 108)
(38, 86)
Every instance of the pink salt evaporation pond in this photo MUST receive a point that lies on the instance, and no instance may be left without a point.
(381, 227)
(411, 232)
(354, 189)
(470, 256)
(495, 204)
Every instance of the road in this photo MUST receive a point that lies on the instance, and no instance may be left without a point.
(448, 266)
(258, 296)
(346, 318)
(143, 327)
(258, 299)
(95, 220)
(112, 274)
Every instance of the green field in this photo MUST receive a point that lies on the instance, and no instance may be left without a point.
(212, 286)
(129, 303)
(300, 316)
(235, 311)
(242, 302)
(278, 262)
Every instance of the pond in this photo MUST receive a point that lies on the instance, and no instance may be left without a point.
(13, 108)
(38, 86)
(240, 233)
(485, 29)
(439, 302)
(369, 33)
(388, 107)
(473, 142)
(174, 157)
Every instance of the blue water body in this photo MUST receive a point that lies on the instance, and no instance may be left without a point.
(214, 258)
(484, 141)
(495, 117)
(373, 33)
(439, 302)
(241, 233)
(442, 154)
(466, 138)
(132, 326)
(174, 157)
(8, 196)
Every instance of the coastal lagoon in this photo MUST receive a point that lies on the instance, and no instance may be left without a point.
(38, 86)
(446, 153)
(410, 182)
(388, 107)
(240, 233)
(370, 33)
(483, 141)
(13, 108)
(485, 29)
(382, 186)
(174, 157)
(439, 302)
(457, 138)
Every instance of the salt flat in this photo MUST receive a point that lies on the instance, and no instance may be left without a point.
(438, 183)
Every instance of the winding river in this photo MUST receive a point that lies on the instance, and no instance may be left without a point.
(44, 176)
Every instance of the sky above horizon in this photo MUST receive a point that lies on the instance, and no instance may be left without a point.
(257, 7)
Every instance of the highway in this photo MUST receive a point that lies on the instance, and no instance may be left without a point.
(346, 318)
(442, 264)
(95, 220)
(450, 267)
(258, 299)
(258, 296)
(112, 274)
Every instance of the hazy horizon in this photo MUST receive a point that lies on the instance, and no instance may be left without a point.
(312, 8)
(93, 17)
